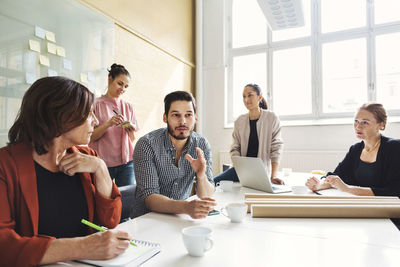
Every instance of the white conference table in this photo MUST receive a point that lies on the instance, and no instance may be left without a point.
(272, 241)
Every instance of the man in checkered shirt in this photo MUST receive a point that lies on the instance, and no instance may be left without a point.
(168, 160)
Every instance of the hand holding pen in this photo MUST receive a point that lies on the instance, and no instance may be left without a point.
(105, 244)
(116, 119)
(103, 229)
(127, 125)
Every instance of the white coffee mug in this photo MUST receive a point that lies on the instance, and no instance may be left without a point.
(235, 211)
(197, 240)
(225, 185)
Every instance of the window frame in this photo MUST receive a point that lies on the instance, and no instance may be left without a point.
(315, 41)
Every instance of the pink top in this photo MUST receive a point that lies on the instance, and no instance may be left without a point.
(114, 147)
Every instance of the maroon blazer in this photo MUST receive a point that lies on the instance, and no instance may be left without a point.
(20, 244)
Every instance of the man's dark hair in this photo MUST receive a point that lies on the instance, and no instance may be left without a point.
(176, 96)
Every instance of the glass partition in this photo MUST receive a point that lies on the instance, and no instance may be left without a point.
(48, 38)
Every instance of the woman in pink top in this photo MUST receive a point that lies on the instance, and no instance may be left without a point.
(113, 137)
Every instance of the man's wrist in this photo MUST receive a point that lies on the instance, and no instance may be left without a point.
(179, 206)
(202, 176)
(185, 207)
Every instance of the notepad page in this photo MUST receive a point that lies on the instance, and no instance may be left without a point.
(134, 254)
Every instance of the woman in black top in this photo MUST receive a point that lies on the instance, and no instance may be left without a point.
(372, 166)
(256, 134)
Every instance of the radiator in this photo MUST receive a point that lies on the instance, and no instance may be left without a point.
(305, 161)
(300, 161)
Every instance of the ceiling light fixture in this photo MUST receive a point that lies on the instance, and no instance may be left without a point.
(282, 14)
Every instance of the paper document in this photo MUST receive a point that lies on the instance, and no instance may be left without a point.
(133, 256)
(40, 32)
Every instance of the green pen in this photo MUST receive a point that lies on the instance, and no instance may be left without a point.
(99, 228)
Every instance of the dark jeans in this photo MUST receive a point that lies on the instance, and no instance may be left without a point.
(229, 174)
(123, 174)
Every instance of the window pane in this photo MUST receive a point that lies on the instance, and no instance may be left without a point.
(386, 11)
(388, 70)
(344, 75)
(337, 15)
(292, 81)
(249, 26)
(292, 33)
(247, 69)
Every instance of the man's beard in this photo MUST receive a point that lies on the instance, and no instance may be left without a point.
(178, 137)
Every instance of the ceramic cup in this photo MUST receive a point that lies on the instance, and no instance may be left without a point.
(299, 189)
(226, 186)
(197, 240)
(235, 211)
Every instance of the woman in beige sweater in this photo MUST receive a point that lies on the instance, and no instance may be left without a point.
(256, 134)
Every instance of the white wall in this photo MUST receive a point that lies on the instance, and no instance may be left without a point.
(326, 137)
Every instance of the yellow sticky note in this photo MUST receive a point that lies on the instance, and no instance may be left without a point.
(84, 78)
(44, 60)
(34, 45)
(51, 48)
(320, 172)
(50, 36)
(60, 51)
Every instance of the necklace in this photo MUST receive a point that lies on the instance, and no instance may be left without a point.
(373, 148)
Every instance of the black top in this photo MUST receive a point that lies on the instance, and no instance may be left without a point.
(252, 148)
(365, 174)
(386, 179)
(62, 204)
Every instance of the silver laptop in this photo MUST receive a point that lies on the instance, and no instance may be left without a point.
(252, 173)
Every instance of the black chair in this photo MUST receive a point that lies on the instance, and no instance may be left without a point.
(226, 166)
(127, 199)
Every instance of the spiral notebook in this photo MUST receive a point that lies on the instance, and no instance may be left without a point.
(133, 256)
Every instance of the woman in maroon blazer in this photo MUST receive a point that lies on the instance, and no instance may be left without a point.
(48, 183)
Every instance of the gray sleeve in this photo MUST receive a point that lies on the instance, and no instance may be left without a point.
(208, 157)
(146, 175)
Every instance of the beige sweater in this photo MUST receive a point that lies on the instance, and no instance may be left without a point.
(269, 137)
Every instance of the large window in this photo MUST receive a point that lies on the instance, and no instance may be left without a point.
(344, 75)
(293, 80)
(346, 54)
